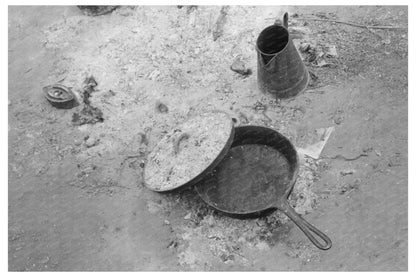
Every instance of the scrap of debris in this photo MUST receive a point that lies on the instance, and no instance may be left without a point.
(259, 107)
(332, 51)
(89, 86)
(314, 150)
(191, 8)
(224, 87)
(347, 172)
(88, 114)
(338, 116)
(314, 82)
(96, 10)
(309, 51)
(313, 76)
(219, 24)
(348, 188)
(315, 54)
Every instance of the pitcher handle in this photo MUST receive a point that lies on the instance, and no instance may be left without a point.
(286, 20)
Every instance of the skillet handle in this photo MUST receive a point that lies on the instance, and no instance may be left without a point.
(310, 231)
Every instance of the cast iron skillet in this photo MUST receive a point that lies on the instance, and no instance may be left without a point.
(250, 183)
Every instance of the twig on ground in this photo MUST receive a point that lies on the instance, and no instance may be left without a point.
(339, 156)
(131, 156)
(219, 24)
(353, 24)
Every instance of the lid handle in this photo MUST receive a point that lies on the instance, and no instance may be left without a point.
(178, 141)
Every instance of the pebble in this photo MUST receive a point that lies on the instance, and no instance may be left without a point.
(125, 12)
(338, 120)
(332, 51)
(262, 245)
(44, 260)
(155, 73)
(174, 38)
(239, 67)
(386, 41)
(187, 216)
(227, 88)
(91, 141)
(304, 46)
(162, 108)
(322, 63)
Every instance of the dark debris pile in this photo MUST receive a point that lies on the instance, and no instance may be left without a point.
(88, 114)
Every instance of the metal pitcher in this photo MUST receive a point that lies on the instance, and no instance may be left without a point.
(280, 69)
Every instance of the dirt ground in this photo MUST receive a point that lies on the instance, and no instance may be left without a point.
(76, 194)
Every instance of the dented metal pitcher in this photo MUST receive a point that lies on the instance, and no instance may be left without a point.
(280, 69)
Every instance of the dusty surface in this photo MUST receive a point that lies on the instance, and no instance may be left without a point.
(77, 200)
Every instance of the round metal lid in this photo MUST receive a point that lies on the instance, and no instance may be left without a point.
(189, 151)
(60, 96)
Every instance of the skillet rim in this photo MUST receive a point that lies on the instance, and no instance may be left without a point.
(267, 207)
